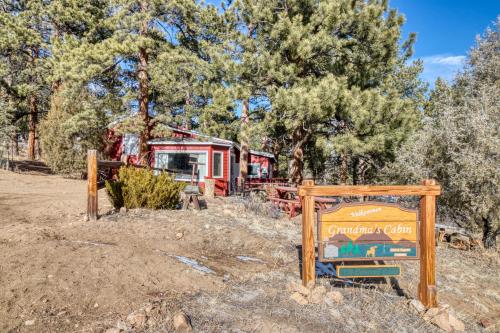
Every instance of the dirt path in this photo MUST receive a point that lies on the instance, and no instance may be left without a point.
(59, 273)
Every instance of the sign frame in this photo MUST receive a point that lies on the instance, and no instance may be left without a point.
(338, 207)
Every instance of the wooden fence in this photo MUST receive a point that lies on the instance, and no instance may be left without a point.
(427, 193)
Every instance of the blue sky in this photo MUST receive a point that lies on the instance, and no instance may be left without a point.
(446, 30)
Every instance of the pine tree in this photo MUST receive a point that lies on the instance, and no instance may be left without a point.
(459, 144)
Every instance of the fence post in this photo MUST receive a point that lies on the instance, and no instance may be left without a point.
(308, 248)
(427, 291)
(92, 184)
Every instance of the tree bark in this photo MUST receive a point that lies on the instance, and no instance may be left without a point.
(244, 142)
(491, 228)
(32, 121)
(276, 152)
(299, 139)
(343, 168)
(142, 76)
(33, 116)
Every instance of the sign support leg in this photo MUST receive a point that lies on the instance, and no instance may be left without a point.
(427, 291)
(92, 185)
(308, 251)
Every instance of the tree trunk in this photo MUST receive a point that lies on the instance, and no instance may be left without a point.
(491, 228)
(276, 152)
(33, 118)
(343, 168)
(244, 142)
(299, 139)
(142, 76)
(187, 110)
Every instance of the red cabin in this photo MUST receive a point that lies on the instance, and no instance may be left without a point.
(216, 158)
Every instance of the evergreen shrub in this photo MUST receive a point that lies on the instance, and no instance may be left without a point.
(141, 188)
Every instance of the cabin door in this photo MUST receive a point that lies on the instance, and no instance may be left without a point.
(235, 172)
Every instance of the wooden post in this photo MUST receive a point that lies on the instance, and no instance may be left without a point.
(308, 252)
(427, 291)
(92, 185)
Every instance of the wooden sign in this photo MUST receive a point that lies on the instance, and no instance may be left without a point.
(368, 231)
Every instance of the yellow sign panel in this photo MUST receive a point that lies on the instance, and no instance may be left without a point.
(368, 231)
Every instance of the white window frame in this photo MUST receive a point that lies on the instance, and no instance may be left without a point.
(202, 177)
(221, 164)
(258, 174)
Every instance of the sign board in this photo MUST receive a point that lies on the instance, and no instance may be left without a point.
(368, 231)
(368, 271)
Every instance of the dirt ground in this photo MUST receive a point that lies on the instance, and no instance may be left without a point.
(59, 273)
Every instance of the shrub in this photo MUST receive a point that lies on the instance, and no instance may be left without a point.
(115, 195)
(141, 188)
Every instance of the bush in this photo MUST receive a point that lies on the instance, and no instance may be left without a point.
(141, 188)
(115, 195)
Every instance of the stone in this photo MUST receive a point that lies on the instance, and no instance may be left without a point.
(335, 313)
(456, 323)
(429, 314)
(486, 322)
(121, 325)
(123, 210)
(417, 305)
(442, 320)
(148, 307)
(297, 297)
(112, 330)
(179, 235)
(317, 295)
(137, 319)
(334, 296)
(30, 322)
(298, 287)
(182, 323)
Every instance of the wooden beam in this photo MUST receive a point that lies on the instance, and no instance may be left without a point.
(397, 190)
(308, 251)
(92, 185)
(110, 164)
(427, 287)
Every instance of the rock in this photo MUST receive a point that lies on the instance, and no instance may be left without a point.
(486, 322)
(96, 305)
(442, 320)
(456, 323)
(121, 325)
(182, 323)
(148, 307)
(298, 287)
(335, 313)
(112, 330)
(445, 319)
(297, 297)
(179, 235)
(334, 296)
(317, 295)
(30, 322)
(123, 210)
(429, 314)
(137, 319)
(417, 305)
(85, 218)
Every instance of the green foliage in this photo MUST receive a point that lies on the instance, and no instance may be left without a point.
(115, 194)
(459, 144)
(142, 188)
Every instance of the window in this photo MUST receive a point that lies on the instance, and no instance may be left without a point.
(130, 144)
(179, 163)
(253, 170)
(217, 165)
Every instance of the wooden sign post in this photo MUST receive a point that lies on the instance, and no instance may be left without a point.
(92, 185)
(372, 231)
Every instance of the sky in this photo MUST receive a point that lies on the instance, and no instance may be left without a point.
(446, 30)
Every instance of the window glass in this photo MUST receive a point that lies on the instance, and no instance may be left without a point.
(217, 165)
(253, 169)
(179, 163)
(130, 144)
